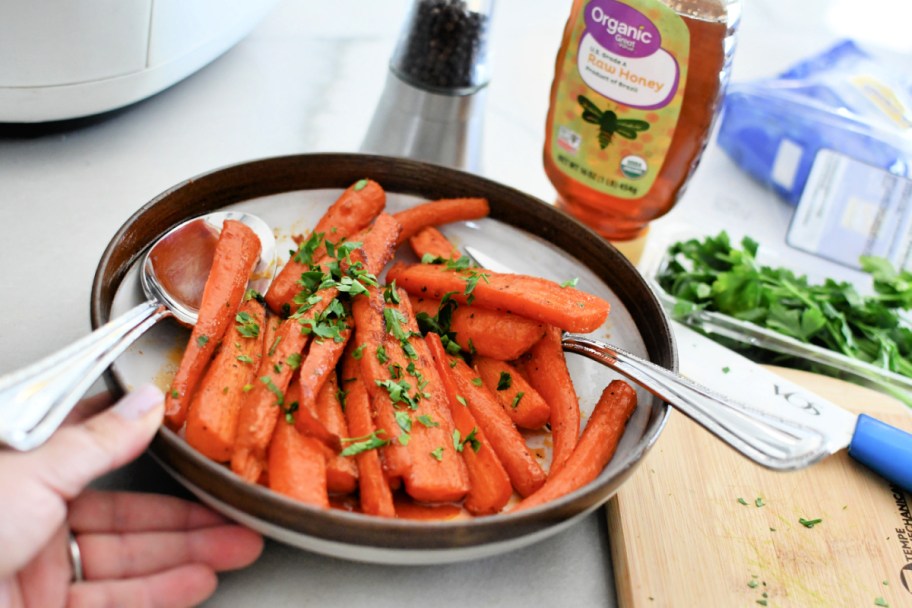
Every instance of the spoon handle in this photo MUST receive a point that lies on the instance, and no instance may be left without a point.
(35, 400)
(769, 440)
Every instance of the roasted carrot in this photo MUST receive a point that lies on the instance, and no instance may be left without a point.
(213, 413)
(378, 244)
(436, 213)
(297, 466)
(489, 333)
(341, 472)
(525, 473)
(546, 370)
(352, 211)
(430, 241)
(409, 400)
(371, 348)
(374, 492)
(489, 484)
(595, 448)
(526, 408)
(531, 297)
(236, 254)
(266, 400)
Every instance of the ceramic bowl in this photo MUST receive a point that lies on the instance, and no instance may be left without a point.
(526, 234)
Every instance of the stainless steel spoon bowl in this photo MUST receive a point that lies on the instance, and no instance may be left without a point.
(35, 400)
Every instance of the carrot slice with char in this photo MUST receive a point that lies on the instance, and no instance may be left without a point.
(341, 472)
(236, 255)
(595, 448)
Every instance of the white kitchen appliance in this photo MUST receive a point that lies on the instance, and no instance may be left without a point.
(62, 59)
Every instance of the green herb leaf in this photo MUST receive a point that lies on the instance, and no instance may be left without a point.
(280, 398)
(438, 454)
(363, 444)
(809, 523)
(505, 381)
(571, 283)
(358, 352)
(517, 398)
(201, 341)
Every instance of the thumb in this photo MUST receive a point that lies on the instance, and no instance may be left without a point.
(78, 454)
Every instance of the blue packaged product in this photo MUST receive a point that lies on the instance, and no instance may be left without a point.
(832, 135)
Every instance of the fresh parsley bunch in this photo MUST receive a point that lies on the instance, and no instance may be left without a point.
(711, 274)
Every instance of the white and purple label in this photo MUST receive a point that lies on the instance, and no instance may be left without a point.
(620, 56)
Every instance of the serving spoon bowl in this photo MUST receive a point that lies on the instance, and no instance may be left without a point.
(35, 400)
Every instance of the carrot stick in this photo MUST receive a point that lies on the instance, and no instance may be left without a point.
(297, 466)
(213, 413)
(489, 484)
(436, 472)
(546, 370)
(526, 408)
(236, 254)
(378, 244)
(266, 400)
(373, 488)
(352, 211)
(371, 346)
(341, 472)
(525, 473)
(443, 211)
(430, 241)
(532, 297)
(595, 448)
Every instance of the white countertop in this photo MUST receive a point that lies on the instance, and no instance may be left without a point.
(307, 80)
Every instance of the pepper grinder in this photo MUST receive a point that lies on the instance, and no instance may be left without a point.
(432, 105)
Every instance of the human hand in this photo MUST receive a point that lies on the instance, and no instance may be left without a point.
(136, 549)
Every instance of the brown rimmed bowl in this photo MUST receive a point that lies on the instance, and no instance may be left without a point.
(526, 234)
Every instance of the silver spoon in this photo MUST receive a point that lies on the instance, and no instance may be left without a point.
(35, 400)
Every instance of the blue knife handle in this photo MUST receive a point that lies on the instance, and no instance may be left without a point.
(884, 449)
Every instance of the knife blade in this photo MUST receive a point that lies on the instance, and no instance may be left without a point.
(883, 448)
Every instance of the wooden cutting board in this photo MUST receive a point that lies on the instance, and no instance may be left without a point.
(681, 536)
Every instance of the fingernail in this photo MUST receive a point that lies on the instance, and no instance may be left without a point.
(139, 402)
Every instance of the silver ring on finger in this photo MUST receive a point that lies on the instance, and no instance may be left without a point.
(75, 559)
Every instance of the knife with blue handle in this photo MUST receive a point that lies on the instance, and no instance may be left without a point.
(883, 448)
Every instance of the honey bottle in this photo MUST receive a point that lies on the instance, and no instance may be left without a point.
(636, 89)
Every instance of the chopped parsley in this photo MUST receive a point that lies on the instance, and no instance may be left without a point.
(438, 454)
(516, 399)
(471, 440)
(294, 360)
(361, 184)
(202, 341)
(273, 389)
(244, 358)
(427, 421)
(461, 400)
(477, 381)
(571, 283)
(809, 523)
(505, 381)
(174, 393)
(274, 346)
(358, 352)
(363, 444)
(289, 412)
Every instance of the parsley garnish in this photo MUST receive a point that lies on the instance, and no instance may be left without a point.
(438, 454)
(174, 393)
(505, 381)
(461, 400)
(244, 359)
(427, 421)
(571, 283)
(809, 523)
(202, 341)
(358, 352)
(289, 412)
(274, 346)
(471, 439)
(517, 398)
(477, 381)
(363, 444)
(247, 325)
(253, 294)
(294, 360)
(273, 389)
(361, 184)
(304, 254)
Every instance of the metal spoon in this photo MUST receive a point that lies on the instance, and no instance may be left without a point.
(35, 400)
